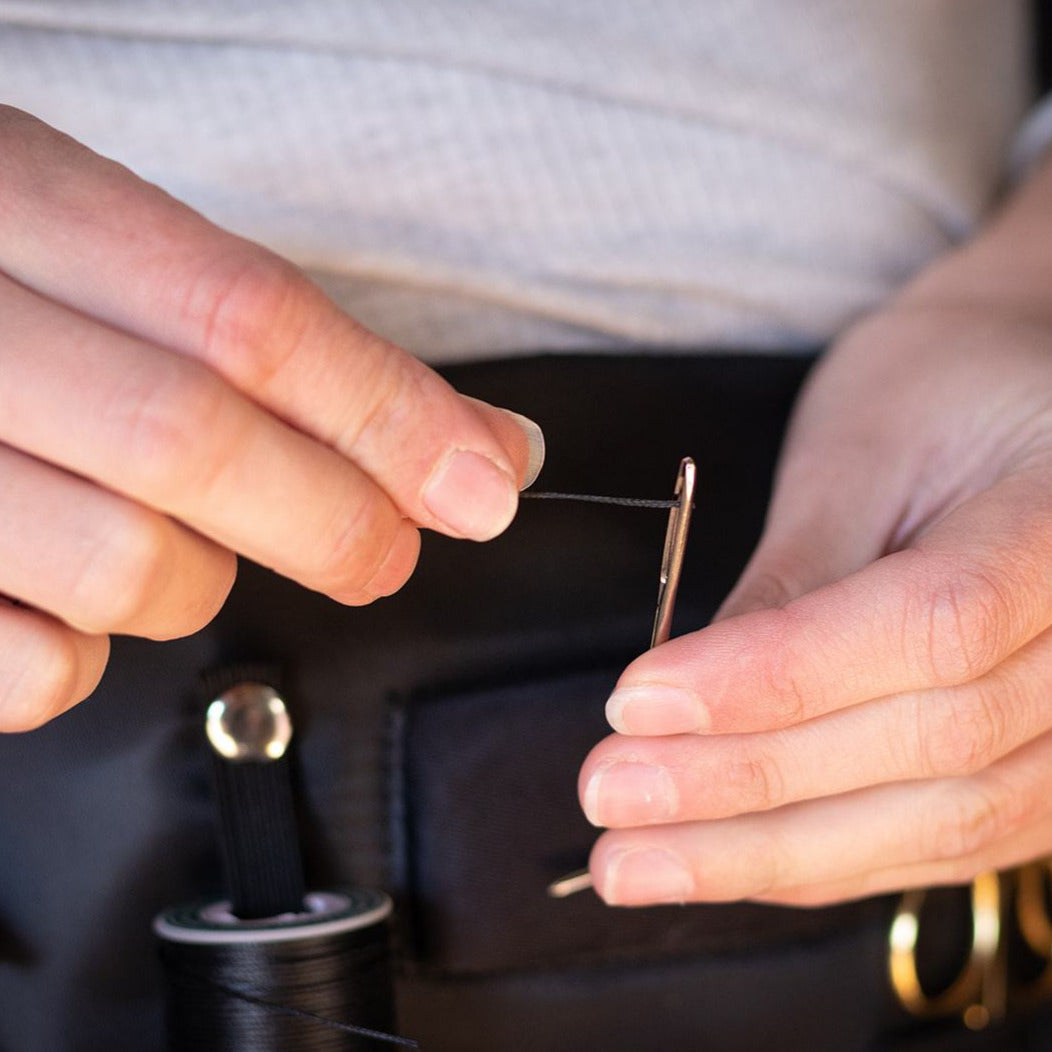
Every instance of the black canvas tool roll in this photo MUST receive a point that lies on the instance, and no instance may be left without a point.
(440, 734)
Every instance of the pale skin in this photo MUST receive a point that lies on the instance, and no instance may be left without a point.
(872, 707)
(172, 396)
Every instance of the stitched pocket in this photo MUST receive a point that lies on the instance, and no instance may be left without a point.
(489, 809)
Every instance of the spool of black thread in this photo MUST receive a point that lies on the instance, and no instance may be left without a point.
(271, 968)
(318, 981)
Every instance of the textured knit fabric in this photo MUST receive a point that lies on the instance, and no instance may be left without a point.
(496, 176)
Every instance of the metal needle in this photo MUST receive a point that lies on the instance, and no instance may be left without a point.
(668, 585)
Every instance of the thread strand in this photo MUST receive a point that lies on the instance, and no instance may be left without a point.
(592, 498)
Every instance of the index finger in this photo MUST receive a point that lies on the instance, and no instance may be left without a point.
(89, 233)
(942, 612)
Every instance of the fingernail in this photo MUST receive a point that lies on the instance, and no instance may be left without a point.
(636, 876)
(534, 444)
(531, 434)
(471, 496)
(656, 710)
(627, 794)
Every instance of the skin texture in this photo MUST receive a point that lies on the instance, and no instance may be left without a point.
(172, 396)
(872, 707)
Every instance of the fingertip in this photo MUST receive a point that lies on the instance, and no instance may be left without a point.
(627, 873)
(656, 710)
(521, 437)
(46, 667)
(94, 656)
(535, 448)
(470, 496)
(399, 563)
(588, 795)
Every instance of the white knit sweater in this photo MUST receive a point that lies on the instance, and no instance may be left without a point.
(478, 177)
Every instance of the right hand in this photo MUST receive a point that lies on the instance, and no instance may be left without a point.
(171, 395)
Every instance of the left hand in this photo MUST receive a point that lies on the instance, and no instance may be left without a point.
(872, 708)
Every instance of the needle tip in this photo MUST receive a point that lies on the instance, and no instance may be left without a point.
(570, 885)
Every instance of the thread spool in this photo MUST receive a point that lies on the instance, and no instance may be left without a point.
(316, 981)
(271, 968)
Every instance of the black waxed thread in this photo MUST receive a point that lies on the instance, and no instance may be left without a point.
(231, 997)
(592, 498)
(296, 1013)
(295, 994)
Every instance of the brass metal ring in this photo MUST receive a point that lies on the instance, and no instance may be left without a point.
(964, 994)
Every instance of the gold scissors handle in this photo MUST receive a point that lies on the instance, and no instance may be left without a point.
(1031, 904)
(1035, 926)
(668, 585)
(979, 991)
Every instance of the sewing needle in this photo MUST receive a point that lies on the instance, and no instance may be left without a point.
(668, 585)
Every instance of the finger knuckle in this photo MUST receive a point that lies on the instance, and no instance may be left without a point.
(961, 733)
(767, 865)
(969, 819)
(354, 548)
(784, 677)
(761, 865)
(251, 312)
(905, 746)
(390, 399)
(122, 571)
(169, 423)
(965, 614)
(756, 781)
(41, 683)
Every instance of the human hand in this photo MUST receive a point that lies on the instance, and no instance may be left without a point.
(872, 708)
(171, 395)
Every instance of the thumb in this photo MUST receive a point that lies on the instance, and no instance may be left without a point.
(835, 508)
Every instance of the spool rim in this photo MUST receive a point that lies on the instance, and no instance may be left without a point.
(337, 912)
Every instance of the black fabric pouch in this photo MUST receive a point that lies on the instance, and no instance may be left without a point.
(483, 767)
(492, 817)
(461, 796)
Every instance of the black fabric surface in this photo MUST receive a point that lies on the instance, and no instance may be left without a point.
(106, 814)
(491, 795)
(1043, 43)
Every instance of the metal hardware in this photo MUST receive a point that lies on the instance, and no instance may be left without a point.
(674, 551)
(980, 992)
(249, 722)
